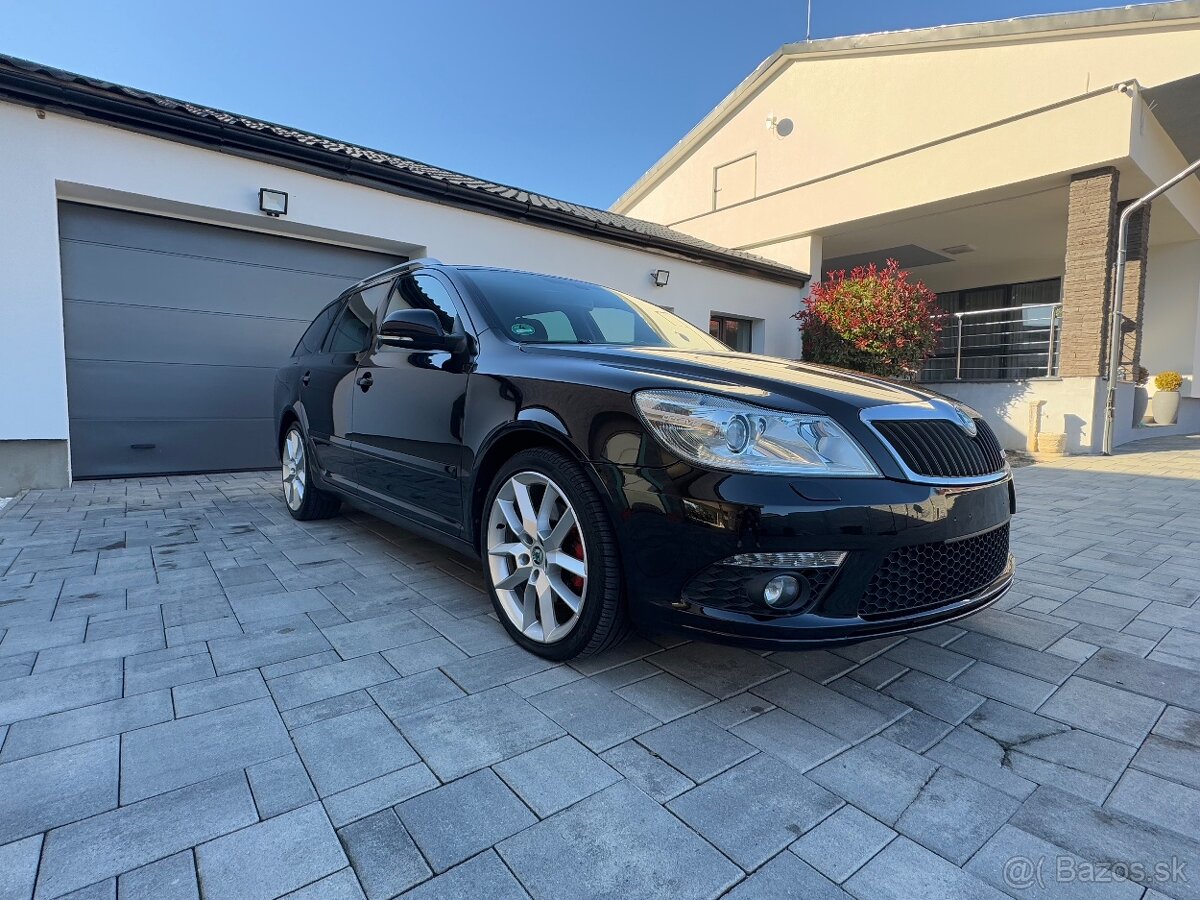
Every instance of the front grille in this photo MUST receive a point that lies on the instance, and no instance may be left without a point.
(937, 448)
(725, 587)
(924, 575)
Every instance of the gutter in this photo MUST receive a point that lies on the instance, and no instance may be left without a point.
(143, 116)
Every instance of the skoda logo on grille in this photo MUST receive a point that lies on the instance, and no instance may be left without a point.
(965, 421)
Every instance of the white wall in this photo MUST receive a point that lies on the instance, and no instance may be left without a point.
(1172, 305)
(66, 158)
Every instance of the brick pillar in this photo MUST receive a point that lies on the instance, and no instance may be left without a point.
(1087, 273)
(1135, 289)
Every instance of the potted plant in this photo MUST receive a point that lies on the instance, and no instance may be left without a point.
(1165, 402)
(872, 320)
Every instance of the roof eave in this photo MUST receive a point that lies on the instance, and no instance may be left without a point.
(86, 101)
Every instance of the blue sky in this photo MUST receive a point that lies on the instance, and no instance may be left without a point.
(568, 98)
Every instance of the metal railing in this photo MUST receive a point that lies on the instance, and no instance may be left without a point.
(1005, 344)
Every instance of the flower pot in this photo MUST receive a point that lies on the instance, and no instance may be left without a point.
(1165, 406)
(1141, 405)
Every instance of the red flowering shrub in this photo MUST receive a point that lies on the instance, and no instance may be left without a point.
(872, 320)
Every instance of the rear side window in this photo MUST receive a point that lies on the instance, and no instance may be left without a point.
(314, 337)
(352, 331)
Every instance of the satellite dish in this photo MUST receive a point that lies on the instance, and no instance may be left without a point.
(784, 127)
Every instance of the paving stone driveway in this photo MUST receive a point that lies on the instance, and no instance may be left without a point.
(199, 696)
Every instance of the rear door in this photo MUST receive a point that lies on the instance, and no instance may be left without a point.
(327, 382)
(408, 412)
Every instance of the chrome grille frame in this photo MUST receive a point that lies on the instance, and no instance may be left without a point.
(925, 410)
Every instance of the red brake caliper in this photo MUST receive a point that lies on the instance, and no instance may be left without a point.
(574, 546)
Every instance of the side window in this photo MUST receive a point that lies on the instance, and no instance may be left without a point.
(314, 336)
(425, 292)
(352, 331)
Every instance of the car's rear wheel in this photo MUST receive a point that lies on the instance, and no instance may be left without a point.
(303, 499)
(550, 558)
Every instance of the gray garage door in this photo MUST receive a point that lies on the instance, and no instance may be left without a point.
(173, 334)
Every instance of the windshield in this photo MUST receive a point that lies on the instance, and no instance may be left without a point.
(541, 309)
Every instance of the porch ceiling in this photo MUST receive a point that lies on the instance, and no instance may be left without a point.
(1012, 238)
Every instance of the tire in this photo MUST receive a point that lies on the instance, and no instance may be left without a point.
(301, 497)
(554, 559)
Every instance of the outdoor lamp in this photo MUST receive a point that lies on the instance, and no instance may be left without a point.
(660, 277)
(273, 203)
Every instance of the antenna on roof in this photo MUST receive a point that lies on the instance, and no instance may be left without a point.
(808, 26)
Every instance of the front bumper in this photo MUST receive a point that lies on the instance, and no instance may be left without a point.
(675, 525)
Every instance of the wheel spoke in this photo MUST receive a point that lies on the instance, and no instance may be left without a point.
(528, 607)
(561, 529)
(525, 507)
(545, 597)
(517, 577)
(511, 517)
(550, 500)
(564, 593)
(511, 549)
(568, 563)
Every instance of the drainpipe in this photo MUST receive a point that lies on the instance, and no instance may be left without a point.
(1114, 331)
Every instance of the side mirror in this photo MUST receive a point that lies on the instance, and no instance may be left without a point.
(417, 329)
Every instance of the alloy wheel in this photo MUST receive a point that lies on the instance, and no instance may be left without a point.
(536, 557)
(294, 471)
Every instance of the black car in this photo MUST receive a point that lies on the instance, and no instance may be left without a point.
(613, 465)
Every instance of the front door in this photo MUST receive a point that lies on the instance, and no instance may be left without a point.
(408, 413)
(327, 383)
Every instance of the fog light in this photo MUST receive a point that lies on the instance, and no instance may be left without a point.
(781, 591)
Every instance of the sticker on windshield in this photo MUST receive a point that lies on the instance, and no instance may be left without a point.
(522, 329)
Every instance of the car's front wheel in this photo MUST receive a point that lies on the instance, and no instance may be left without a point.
(304, 500)
(550, 558)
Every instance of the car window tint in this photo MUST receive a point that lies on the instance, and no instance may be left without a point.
(557, 325)
(539, 309)
(616, 326)
(352, 332)
(314, 336)
(425, 292)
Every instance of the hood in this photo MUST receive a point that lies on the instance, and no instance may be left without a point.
(768, 380)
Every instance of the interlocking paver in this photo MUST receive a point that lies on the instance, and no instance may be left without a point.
(841, 845)
(454, 822)
(167, 756)
(131, 836)
(270, 858)
(88, 723)
(555, 775)
(173, 878)
(877, 776)
(347, 750)
(58, 787)
(597, 717)
(786, 805)
(383, 854)
(370, 638)
(617, 843)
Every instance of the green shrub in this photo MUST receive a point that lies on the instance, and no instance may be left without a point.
(872, 320)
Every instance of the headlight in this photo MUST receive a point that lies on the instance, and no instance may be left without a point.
(720, 433)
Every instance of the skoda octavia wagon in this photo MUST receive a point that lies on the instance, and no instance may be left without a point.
(614, 466)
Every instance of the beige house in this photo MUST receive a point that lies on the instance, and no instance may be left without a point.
(992, 160)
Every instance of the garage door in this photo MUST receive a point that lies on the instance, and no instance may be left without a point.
(173, 333)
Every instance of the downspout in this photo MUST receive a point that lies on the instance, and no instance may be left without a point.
(1114, 331)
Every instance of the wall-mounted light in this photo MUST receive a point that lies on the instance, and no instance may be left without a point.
(660, 277)
(273, 203)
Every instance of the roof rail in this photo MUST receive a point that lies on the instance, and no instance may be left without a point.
(402, 267)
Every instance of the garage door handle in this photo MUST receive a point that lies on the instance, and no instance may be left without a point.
(306, 379)
(365, 380)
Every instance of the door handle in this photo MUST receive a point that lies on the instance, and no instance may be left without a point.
(306, 379)
(365, 380)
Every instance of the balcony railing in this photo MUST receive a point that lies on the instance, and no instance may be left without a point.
(1005, 344)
